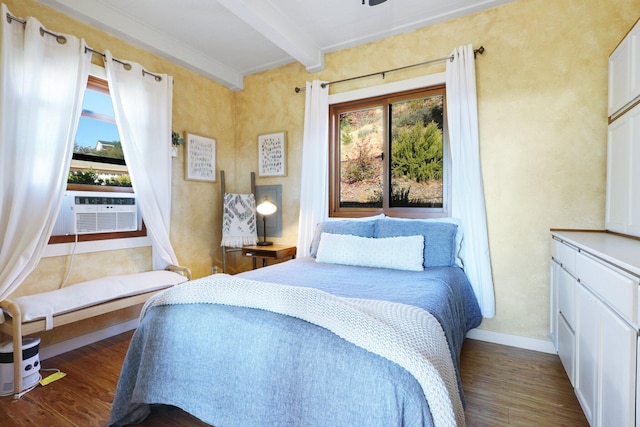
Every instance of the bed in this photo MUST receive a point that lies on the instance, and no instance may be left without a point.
(356, 334)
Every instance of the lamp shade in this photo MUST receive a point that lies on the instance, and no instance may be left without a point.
(266, 207)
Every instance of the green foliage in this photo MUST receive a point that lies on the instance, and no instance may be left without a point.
(416, 152)
(87, 176)
(425, 110)
(376, 197)
(175, 139)
(345, 130)
(362, 167)
(90, 177)
(123, 180)
(400, 197)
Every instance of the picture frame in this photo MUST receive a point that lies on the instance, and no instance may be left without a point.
(272, 154)
(200, 158)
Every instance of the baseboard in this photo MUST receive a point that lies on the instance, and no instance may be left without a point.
(535, 344)
(82, 340)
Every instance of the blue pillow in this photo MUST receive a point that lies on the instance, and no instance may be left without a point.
(440, 248)
(354, 227)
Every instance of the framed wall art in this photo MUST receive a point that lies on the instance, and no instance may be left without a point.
(200, 158)
(272, 154)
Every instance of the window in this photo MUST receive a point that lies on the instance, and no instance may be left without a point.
(98, 161)
(97, 153)
(390, 154)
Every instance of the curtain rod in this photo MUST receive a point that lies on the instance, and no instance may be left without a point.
(126, 65)
(62, 40)
(59, 38)
(479, 50)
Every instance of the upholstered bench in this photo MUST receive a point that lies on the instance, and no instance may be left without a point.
(30, 314)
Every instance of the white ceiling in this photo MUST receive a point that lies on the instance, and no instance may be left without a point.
(226, 40)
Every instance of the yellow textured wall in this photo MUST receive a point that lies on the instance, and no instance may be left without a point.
(200, 106)
(542, 107)
(542, 87)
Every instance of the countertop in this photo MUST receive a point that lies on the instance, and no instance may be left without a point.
(616, 249)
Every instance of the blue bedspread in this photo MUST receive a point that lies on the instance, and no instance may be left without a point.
(234, 366)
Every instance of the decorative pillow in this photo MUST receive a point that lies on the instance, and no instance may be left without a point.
(400, 253)
(440, 245)
(355, 227)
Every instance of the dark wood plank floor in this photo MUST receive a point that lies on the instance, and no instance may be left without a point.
(504, 386)
(508, 386)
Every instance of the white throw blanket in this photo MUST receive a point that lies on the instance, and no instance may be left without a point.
(239, 220)
(404, 334)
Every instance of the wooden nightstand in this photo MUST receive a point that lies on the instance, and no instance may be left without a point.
(268, 252)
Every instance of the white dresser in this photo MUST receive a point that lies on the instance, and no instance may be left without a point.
(595, 278)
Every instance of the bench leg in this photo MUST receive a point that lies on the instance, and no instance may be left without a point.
(16, 330)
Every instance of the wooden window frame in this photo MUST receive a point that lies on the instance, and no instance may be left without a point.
(334, 157)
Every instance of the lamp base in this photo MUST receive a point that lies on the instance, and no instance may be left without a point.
(265, 243)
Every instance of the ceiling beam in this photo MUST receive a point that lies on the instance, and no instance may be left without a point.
(269, 22)
(141, 35)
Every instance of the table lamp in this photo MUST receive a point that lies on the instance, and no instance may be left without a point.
(265, 208)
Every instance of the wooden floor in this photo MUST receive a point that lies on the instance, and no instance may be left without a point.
(504, 386)
(508, 386)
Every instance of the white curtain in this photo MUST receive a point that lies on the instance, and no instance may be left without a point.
(314, 205)
(467, 191)
(142, 105)
(42, 85)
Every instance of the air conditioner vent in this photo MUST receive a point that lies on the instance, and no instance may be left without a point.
(105, 216)
(93, 212)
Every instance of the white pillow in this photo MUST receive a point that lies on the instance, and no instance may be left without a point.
(400, 253)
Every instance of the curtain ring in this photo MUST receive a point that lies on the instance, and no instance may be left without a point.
(127, 66)
(59, 38)
(155, 76)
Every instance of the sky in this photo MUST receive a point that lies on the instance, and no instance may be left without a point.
(90, 130)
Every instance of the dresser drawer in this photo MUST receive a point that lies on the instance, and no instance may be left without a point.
(567, 297)
(565, 255)
(617, 290)
(566, 348)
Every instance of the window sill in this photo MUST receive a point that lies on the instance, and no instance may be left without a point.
(63, 249)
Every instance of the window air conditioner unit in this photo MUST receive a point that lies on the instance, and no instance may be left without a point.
(86, 212)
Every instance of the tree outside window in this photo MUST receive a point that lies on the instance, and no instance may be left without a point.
(389, 154)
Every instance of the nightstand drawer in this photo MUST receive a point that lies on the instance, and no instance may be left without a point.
(271, 252)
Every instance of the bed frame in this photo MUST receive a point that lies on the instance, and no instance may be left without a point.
(18, 329)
